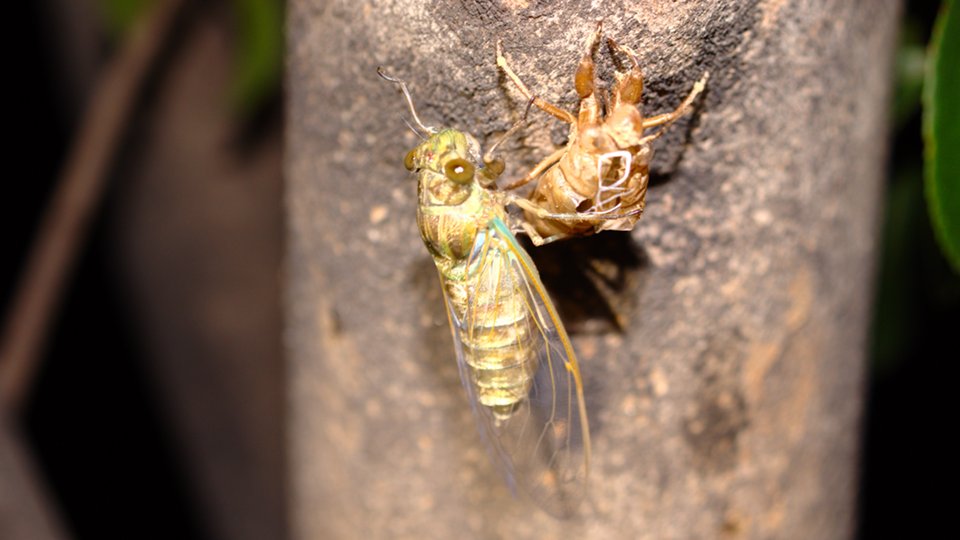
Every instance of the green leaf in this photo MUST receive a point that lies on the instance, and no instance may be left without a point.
(120, 15)
(941, 132)
(258, 53)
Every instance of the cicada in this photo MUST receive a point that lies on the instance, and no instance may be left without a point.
(515, 359)
(602, 173)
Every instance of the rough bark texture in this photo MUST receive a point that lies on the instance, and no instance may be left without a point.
(728, 402)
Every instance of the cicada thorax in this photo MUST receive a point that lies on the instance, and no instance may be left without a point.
(448, 231)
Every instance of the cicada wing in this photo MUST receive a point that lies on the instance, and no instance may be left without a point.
(542, 446)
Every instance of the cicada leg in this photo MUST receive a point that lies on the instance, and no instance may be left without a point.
(629, 86)
(584, 81)
(541, 104)
(536, 238)
(585, 84)
(578, 218)
(666, 119)
(539, 169)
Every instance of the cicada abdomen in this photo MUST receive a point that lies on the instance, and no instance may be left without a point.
(520, 371)
(497, 329)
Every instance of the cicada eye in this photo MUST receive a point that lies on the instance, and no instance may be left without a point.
(458, 170)
(408, 159)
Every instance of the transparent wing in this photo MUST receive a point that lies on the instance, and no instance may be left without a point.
(543, 446)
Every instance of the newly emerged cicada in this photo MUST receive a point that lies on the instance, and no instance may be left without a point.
(602, 173)
(514, 356)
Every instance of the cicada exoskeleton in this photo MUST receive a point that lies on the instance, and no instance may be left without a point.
(601, 175)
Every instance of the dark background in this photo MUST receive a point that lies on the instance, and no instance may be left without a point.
(92, 419)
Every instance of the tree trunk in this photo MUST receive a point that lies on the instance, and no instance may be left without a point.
(723, 353)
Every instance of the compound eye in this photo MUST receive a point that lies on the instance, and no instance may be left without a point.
(408, 159)
(458, 170)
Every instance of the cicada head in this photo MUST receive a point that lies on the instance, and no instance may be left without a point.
(446, 164)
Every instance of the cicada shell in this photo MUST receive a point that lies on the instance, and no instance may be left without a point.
(515, 359)
(599, 180)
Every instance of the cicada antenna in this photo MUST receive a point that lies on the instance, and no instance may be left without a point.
(413, 129)
(406, 94)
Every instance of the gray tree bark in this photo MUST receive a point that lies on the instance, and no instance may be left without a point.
(723, 357)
